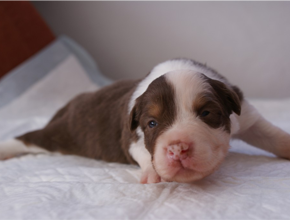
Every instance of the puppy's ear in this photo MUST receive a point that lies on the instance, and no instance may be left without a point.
(135, 115)
(230, 98)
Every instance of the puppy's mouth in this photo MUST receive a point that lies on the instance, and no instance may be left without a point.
(188, 170)
(184, 175)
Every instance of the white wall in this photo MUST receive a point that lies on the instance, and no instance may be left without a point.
(248, 42)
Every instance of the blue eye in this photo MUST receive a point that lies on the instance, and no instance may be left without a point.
(204, 113)
(152, 124)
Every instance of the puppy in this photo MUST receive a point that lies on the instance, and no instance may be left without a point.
(176, 124)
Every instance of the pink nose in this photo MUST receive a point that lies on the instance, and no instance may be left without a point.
(178, 150)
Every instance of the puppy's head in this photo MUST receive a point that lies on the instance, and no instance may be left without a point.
(184, 119)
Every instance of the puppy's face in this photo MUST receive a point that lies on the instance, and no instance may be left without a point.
(184, 118)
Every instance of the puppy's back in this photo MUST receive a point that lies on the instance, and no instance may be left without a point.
(89, 125)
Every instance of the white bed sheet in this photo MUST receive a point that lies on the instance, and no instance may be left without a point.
(250, 184)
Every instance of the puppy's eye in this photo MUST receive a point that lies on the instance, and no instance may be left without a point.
(152, 124)
(204, 113)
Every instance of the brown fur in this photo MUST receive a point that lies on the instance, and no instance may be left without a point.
(157, 103)
(93, 125)
(221, 101)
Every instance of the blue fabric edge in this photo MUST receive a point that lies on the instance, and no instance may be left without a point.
(86, 60)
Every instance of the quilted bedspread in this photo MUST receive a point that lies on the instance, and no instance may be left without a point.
(250, 184)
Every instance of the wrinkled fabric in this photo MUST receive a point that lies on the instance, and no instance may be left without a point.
(250, 184)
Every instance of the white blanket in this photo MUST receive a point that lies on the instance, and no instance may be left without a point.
(250, 184)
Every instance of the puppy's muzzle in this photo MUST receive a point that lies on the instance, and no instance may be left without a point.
(179, 150)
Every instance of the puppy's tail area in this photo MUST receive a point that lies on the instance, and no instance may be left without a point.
(55, 137)
(40, 138)
(44, 140)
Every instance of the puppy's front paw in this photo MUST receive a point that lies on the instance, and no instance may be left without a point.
(149, 175)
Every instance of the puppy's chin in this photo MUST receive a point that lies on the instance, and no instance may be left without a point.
(192, 157)
(187, 171)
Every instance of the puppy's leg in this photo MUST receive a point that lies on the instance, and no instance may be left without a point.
(143, 158)
(13, 148)
(257, 131)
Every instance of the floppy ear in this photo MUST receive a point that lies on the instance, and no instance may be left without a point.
(135, 115)
(227, 96)
(133, 120)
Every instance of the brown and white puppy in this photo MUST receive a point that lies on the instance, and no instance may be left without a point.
(176, 123)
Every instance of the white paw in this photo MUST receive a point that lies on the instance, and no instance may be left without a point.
(149, 175)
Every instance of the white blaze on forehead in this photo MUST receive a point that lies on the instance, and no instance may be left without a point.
(169, 66)
(187, 85)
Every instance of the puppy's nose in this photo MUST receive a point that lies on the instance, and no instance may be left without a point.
(178, 150)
